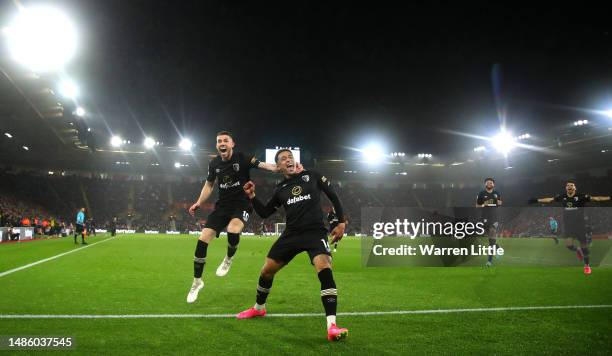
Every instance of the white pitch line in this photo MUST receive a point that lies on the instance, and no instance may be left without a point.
(298, 315)
(50, 258)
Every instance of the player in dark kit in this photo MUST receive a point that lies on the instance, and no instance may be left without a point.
(300, 195)
(231, 171)
(489, 199)
(573, 219)
(333, 221)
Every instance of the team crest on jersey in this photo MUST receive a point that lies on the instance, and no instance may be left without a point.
(297, 190)
(236, 167)
(306, 178)
(217, 170)
(227, 179)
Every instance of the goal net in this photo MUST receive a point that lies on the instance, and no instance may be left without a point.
(279, 228)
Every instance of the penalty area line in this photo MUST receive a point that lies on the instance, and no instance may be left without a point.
(2, 274)
(297, 315)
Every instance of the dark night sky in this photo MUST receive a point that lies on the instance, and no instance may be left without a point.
(321, 75)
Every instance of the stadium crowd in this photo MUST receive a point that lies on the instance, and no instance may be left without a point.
(49, 202)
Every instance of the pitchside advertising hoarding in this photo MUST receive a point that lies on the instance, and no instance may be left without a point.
(271, 152)
(462, 236)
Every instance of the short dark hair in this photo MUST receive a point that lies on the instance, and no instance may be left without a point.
(227, 133)
(570, 181)
(279, 152)
(489, 179)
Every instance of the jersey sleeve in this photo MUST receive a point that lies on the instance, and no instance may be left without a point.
(265, 210)
(212, 174)
(251, 161)
(586, 198)
(557, 197)
(325, 185)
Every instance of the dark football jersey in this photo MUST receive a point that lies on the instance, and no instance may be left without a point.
(490, 201)
(573, 211)
(231, 176)
(300, 195)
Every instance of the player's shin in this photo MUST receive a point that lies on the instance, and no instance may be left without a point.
(263, 289)
(232, 244)
(200, 259)
(586, 252)
(329, 295)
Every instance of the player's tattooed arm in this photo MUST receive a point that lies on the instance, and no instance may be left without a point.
(262, 210)
(204, 195)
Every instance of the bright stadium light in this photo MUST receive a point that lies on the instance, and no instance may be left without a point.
(177, 165)
(41, 38)
(8, 135)
(69, 89)
(581, 122)
(480, 149)
(116, 141)
(25, 148)
(608, 113)
(504, 142)
(372, 153)
(186, 144)
(149, 142)
(80, 112)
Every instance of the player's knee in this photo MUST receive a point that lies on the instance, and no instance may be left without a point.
(235, 226)
(322, 262)
(267, 273)
(207, 235)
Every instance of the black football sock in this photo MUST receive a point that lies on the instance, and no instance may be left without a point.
(329, 294)
(263, 289)
(586, 255)
(75, 238)
(571, 248)
(232, 244)
(199, 259)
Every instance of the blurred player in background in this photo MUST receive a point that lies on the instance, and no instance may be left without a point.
(300, 196)
(333, 221)
(573, 219)
(80, 226)
(231, 172)
(489, 199)
(554, 228)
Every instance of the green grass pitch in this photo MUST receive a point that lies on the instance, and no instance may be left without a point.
(138, 274)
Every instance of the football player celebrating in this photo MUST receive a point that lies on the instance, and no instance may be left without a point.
(231, 171)
(489, 199)
(300, 195)
(573, 219)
